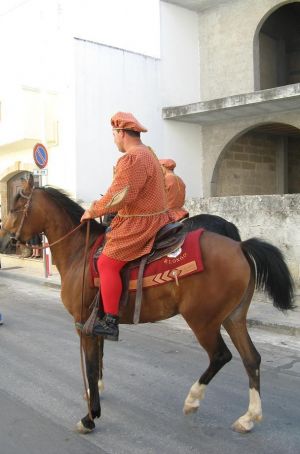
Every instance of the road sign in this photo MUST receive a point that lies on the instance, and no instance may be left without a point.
(40, 155)
(40, 172)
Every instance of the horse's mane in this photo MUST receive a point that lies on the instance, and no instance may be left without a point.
(74, 210)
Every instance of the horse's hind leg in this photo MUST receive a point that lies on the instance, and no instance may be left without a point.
(236, 327)
(91, 350)
(212, 341)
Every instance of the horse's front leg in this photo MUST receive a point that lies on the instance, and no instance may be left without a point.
(101, 367)
(91, 350)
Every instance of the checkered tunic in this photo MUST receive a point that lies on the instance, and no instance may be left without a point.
(138, 196)
(175, 188)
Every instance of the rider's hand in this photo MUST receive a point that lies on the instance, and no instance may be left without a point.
(86, 215)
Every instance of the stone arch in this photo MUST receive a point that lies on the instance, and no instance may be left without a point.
(273, 50)
(8, 173)
(261, 159)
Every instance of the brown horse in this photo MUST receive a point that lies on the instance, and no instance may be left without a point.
(220, 295)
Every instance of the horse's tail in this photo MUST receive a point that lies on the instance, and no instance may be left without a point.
(272, 273)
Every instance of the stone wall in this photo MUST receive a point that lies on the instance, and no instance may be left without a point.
(274, 218)
(249, 166)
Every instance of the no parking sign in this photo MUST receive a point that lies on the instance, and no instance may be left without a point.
(40, 155)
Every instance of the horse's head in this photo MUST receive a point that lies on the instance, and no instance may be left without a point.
(23, 221)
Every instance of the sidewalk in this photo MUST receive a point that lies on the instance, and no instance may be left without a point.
(261, 313)
(31, 270)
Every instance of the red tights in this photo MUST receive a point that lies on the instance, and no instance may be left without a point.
(110, 282)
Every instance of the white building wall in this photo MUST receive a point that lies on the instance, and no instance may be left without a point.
(90, 83)
(180, 76)
(180, 60)
(110, 80)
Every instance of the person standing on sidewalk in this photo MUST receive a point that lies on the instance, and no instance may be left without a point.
(137, 195)
(1, 319)
(35, 243)
(175, 189)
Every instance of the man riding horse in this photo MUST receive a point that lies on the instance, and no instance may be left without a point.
(137, 195)
(175, 189)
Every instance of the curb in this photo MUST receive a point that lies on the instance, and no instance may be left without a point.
(274, 327)
(30, 279)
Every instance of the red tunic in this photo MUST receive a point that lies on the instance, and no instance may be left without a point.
(137, 194)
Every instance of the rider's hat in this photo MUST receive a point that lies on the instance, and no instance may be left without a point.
(126, 121)
(168, 163)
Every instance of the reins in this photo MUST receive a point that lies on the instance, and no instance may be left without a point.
(82, 362)
(87, 238)
(62, 238)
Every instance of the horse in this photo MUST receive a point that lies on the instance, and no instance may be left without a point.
(213, 223)
(210, 222)
(218, 296)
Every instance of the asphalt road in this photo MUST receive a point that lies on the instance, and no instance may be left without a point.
(147, 377)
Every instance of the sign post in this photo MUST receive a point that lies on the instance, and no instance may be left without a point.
(40, 156)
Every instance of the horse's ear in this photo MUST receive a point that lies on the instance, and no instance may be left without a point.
(27, 185)
(31, 181)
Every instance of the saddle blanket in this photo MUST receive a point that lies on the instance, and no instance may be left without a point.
(166, 269)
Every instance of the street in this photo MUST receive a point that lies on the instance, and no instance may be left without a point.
(147, 376)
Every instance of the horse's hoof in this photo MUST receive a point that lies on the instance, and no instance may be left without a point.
(242, 427)
(80, 428)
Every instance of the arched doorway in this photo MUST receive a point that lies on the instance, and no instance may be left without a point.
(279, 47)
(263, 160)
(14, 185)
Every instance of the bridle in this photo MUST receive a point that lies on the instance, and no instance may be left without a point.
(17, 236)
(24, 211)
(25, 214)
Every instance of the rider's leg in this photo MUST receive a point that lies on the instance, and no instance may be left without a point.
(111, 289)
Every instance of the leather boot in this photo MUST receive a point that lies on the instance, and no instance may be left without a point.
(108, 327)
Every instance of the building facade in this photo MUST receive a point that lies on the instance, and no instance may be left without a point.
(249, 117)
(222, 98)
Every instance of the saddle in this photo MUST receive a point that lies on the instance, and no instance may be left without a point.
(168, 239)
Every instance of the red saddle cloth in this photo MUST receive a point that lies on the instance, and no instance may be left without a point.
(166, 269)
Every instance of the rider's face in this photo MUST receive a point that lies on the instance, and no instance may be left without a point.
(119, 139)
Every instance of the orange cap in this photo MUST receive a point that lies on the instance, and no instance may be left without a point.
(125, 120)
(168, 163)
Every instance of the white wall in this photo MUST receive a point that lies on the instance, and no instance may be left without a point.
(110, 80)
(180, 84)
(180, 58)
(183, 143)
(92, 82)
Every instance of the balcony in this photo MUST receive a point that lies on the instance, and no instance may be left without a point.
(263, 102)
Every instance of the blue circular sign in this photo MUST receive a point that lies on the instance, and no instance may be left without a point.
(40, 155)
